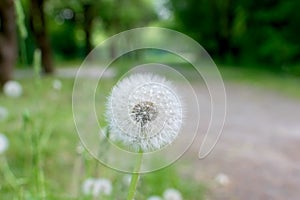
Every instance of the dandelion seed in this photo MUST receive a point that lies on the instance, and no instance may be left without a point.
(12, 89)
(56, 84)
(102, 187)
(154, 198)
(3, 113)
(3, 143)
(172, 194)
(144, 112)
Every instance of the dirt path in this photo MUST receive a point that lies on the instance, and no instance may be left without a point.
(259, 150)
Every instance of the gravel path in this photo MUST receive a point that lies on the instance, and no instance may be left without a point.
(258, 155)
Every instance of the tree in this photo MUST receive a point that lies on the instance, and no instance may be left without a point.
(8, 40)
(244, 30)
(89, 15)
(115, 16)
(39, 30)
(209, 22)
(121, 15)
(75, 14)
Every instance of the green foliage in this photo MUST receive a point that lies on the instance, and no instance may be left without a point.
(68, 35)
(120, 15)
(22, 29)
(243, 30)
(264, 77)
(64, 41)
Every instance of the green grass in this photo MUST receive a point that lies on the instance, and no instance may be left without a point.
(264, 78)
(42, 153)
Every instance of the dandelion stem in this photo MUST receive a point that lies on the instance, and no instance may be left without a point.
(135, 177)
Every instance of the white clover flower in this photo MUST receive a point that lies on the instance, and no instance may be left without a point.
(87, 186)
(3, 143)
(102, 187)
(172, 194)
(154, 198)
(56, 84)
(144, 112)
(12, 89)
(3, 113)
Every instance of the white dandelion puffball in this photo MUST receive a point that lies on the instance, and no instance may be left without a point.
(102, 187)
(3, 113)
(154, 198)
(172, 194)
(56, 84)
(3, 143)
(87, 186)
(144, 112)
(12, 89)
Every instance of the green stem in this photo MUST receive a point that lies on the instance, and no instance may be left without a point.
(9, 175)
(135, 177)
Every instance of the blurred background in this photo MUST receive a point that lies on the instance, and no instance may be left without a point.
(255, 44)
(243, 33)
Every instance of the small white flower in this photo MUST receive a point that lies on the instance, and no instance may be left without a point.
(12, 89)
(222, 179)
(87, 186)
(144, 112)
(96, 187)
(3, 113)
(154, 198)
(172, 194)
(56, 84)
(3, 143)
(102, 186)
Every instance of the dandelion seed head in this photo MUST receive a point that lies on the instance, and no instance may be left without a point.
(222, 179)
(87, 186)
(4, 143)
(144, 112)
(12, 89)
(154, 198)
(172, 194)
(56, 84)
(102, 187)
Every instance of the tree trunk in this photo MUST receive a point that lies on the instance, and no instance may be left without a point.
(8, 40)
(88, 26)
(38, 28)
